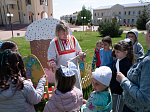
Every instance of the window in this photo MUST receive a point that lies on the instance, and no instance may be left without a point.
(139, 12)
(132, 20)
(129, 13)
(43, 2)
(133, 13)
(102, 14)
(124, 20)
(128, 20)
(119, 12)
(95, 14)
(18, 5)
(98, 14)
(113, 13)
(94, 21)
(28, 2)
(125, 13)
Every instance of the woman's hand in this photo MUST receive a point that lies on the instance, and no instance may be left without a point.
(54, 67)
(119, 76)
(82, 56)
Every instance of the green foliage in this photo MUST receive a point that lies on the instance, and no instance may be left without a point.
(142, 19)
(111, 29)
(71, 20)
(76, 22)
(85, 13)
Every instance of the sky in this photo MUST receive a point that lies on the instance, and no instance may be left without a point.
(64, 7)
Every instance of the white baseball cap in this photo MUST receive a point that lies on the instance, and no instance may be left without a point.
(103, 74)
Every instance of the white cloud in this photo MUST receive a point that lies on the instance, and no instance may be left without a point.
(55, 3)
(85, 1)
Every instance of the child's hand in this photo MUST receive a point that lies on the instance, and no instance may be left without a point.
(44, 76)
(119, 76)
(84, 101)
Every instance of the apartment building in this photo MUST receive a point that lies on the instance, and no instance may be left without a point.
(125, 13)
(24, 11)
(67, 17)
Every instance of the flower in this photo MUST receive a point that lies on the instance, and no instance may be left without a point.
(91, 107)
(32, 59)
(28, 72)
(29, 64)
(81, 66)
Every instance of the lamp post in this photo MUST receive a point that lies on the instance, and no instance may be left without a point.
(83, 21)
(10, 16)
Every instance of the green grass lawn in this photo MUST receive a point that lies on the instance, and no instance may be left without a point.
(87, 40)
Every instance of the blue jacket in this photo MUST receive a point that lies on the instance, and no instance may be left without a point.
(136, 94)
(12, 100)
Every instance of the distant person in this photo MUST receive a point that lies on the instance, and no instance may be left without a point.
(136, 86)
(17, 93)
(100, 99)
(9, 44)
(137, 47)
(66, 98)
(125, 59)
(105, 52)
(96, 57)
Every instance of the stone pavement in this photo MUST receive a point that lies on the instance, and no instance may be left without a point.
(7, 34)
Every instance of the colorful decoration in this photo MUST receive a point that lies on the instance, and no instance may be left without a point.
(42, 29)
(34, 69)
(81, 67)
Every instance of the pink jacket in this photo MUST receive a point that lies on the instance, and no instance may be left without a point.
(70, 101)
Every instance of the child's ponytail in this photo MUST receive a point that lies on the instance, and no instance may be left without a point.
(130, 54)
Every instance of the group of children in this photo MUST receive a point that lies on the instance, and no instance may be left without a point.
(18, 94)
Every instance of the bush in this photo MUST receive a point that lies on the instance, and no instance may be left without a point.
(142, 20)
(111, 29)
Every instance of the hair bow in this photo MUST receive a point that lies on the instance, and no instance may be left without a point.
(68, 71)
(4, 55)
(127, 40)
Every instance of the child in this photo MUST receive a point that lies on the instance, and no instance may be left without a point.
(96, 57)
(62, 48)
(136, 86)
(125, 59)
(8, 44)
(137, 47)
(105, 52)
(100, 99)
(66, 97)
(17, 93)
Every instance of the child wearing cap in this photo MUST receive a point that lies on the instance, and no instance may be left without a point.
(137, 47)
(100, 99)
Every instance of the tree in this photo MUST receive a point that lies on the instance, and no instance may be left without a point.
(112, 29)
(142, 19)
(84, 13)
(71, 20)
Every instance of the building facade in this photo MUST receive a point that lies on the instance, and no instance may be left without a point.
(125, 13)
(67, 17)
(24, 11)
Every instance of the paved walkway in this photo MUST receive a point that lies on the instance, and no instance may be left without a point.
(8, 33)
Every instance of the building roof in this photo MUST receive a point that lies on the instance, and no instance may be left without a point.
(124, 5)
